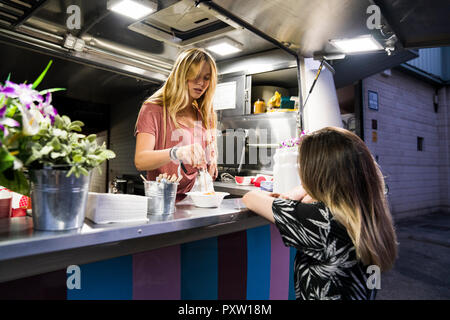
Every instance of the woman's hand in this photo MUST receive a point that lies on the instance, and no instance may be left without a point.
(296, 194)
(213, 172)
(192, 154)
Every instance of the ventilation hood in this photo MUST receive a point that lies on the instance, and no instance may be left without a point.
(183, 24)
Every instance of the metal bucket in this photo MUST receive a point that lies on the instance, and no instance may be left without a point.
(59, 202)
(161, 197)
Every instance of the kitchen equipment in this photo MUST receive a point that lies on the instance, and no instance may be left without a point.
(260, 178)
(118, 186)
(287, 103)
(259, 107)
(244, 181)
(207, 200)
(267, 186)
(266, 92)
(161, 196)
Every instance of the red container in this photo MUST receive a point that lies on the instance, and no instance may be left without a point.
(5, 207)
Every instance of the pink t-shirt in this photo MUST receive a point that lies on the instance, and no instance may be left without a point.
(150, 120)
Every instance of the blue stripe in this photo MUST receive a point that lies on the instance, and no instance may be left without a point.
(292, 252)
(199, 270)
(258, 263)
(105, 280)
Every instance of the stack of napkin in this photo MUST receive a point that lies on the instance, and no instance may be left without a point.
(108, 207)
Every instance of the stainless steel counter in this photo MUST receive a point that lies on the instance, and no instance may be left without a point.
(25, 252)
(233, 189)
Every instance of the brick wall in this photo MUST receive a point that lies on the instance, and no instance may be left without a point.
(123, 119)
(406, 111)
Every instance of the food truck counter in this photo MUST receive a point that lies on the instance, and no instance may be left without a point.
(25, 251)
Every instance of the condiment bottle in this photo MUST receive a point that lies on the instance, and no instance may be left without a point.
(259, 106)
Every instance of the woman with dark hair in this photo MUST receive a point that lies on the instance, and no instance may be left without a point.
(338, 219)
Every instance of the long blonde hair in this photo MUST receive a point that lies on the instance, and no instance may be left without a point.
(173, 96)
(337, 168)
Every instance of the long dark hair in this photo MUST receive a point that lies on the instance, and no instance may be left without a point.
(337, 168)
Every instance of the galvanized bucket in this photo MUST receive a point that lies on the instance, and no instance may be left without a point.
(58, 202)
(161, 197)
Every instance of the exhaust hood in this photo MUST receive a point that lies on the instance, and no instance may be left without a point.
(183, 24)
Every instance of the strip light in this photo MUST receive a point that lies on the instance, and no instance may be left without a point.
(224, 46)
(359, 44)
(135, 9)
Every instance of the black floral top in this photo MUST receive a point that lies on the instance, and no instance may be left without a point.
(325, 265)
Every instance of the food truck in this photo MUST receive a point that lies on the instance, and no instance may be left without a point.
(281, 66)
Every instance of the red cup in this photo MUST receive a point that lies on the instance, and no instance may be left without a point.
(5, 207)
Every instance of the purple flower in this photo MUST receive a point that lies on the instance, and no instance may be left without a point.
(24, 92)
(47, 109)
(7, 122)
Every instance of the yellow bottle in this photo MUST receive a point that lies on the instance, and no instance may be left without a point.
(259, 106)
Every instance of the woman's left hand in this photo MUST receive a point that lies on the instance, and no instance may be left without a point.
(212, 169)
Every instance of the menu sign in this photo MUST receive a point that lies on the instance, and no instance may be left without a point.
(225, 96)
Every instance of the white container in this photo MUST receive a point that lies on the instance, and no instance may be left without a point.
(203, 200)
(285, 170)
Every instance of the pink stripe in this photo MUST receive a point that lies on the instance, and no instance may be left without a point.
(279, 266)
(157, 274)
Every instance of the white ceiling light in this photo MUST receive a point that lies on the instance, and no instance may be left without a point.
(359, 44)
(224, 46)
(135, 9)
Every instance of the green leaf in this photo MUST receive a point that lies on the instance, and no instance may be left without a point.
(72, 170)
(55, 155)
(41, 77)
(84, 171)
(75, 128)
(46, 150)
(9, 76)
(59, 123)
(44, 92)
(108, 154)
(77, 123)
(91, 137)
(95, 158)
(77, 158)
(6, 160)
(56, 144)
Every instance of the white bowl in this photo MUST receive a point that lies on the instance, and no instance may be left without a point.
(203, 200)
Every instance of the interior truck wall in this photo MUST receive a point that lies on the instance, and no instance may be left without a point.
(123, 119)
(418, 181)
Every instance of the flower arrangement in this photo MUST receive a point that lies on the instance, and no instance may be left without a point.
(289, 143)
(33, 136)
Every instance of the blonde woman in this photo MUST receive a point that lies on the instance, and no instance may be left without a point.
(177, 123)
(338, 220)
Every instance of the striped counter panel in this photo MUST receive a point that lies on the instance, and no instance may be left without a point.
(252, 264)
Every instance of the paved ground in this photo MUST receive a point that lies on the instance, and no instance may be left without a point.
(422, 270)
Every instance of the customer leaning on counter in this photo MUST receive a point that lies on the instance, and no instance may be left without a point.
(338, 219)
(177, 123)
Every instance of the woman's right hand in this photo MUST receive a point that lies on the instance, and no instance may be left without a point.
(192, 154)
(296, 194)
